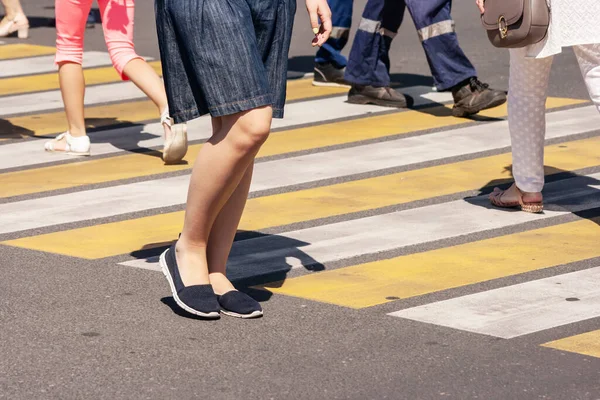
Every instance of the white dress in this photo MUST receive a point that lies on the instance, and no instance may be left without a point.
(572, 22)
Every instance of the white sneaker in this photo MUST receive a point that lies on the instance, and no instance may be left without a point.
(75, 146)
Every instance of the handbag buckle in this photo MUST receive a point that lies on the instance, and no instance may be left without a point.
(502, 27)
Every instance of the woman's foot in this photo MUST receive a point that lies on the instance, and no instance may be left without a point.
(71, 145)
(532, 202)
(17, 23)
(176, 144)
(233, 302)
(197, 299)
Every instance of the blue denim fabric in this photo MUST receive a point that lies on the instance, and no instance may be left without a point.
(369, 58)
(341, 17)
(224, 56)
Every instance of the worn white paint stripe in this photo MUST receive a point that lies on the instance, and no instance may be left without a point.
(122, 199)
(519, 309)
(371, 235)
(116, 140)
(44, 64)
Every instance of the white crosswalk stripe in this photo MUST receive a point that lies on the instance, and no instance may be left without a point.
(519, 309)
(371, 231)
(45, 64)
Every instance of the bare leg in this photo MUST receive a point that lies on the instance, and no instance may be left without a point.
(72, 89)
(218, 171)
(223, 232)
(149, 82)
(12, 8)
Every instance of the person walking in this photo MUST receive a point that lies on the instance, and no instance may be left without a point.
(367, 70)
(226, 58)
(117, 24)
(528, 84)
(14, 20)
(329, 61)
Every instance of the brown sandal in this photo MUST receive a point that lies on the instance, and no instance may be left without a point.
(531, 207)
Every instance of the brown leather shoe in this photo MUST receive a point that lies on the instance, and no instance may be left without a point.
(474, 96)
(380, 96)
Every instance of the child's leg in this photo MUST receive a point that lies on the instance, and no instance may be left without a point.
(117, 23)
(219, 185)
(70, 28)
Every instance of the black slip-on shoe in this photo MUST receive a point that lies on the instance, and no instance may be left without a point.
(240, 305)
(199, 300)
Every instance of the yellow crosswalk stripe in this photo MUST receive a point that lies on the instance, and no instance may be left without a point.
(587, 343)
(137, 165)
(44, 124)
(21, 50)
(413, 275)
(300, 89)
(52, 123)
(304, 205)
(38, 83)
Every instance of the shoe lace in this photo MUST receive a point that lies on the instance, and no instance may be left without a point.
(477, 85)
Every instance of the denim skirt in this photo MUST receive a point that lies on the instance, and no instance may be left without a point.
(224, 56)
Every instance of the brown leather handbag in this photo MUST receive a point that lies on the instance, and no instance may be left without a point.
(516, 23)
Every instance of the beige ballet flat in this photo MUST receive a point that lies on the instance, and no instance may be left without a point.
(176, 146)
(18, 24)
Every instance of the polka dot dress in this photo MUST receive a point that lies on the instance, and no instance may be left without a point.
(528, 84)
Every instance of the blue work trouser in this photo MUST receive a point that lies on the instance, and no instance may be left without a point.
(341, 15)
(369, 62)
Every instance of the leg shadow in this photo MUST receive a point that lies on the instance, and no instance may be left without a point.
(10, 131)
(262, 259)
(564, 191)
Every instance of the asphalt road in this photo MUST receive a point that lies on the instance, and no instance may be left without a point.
(75, 328)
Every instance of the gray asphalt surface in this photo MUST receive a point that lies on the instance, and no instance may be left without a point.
(90, 329)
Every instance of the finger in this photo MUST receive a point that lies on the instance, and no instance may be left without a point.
(326, 26)
(314, 19)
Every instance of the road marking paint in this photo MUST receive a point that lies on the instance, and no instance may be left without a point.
(292, 207)
(525, 308)
(587, 344)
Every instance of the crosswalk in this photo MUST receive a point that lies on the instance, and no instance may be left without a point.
(354, 206)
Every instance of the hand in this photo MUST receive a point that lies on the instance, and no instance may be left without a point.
(480, 4)
(318, 9)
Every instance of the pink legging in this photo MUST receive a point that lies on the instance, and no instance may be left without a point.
(117, 24)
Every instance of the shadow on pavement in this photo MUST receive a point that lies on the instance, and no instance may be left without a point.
(246, 267)
(560, 202)
(10, 131)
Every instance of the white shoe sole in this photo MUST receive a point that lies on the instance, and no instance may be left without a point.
(254, 314)
(165, 269)
(330, 84)
(70, 153)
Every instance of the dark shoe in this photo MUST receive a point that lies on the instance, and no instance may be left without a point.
(380, 96)
(238, 304)
(326, 74)
(474, 96)
(199, 300)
